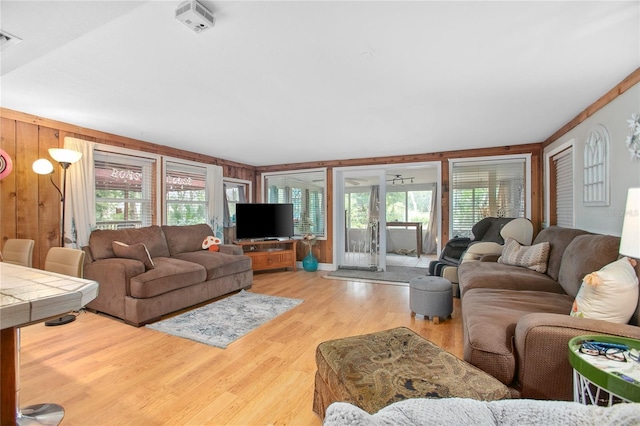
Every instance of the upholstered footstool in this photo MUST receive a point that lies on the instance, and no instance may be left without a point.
(431, 296)
(375, 370)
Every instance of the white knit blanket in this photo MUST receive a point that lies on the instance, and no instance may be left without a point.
(461, 411)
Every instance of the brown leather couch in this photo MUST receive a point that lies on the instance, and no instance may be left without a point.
(183, 275)
(516, 321)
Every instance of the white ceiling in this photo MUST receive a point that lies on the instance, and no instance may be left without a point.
(298, 81)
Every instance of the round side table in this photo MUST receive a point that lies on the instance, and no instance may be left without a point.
(600, 381)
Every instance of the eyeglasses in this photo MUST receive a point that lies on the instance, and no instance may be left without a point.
(612, 351)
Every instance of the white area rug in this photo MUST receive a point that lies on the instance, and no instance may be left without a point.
(226, 320)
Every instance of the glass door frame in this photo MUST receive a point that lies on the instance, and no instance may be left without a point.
(338, 191)
(340, 174)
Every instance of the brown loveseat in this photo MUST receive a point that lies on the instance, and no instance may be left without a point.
(183, 273)
(516, 321)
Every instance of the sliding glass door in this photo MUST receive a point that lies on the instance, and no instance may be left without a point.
(360, 223)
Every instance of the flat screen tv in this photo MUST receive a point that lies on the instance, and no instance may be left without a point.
(264, 221)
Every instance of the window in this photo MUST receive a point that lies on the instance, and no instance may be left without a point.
(562, 202)
(406, 205)
(306, 191)
(485, 188)
(185, 194)
(357, 204)
(236, 192)
(596, 167)
(123, 190)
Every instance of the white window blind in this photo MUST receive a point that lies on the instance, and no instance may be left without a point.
(185, 194)
(491, 188)
(564, 188)
(123, 190)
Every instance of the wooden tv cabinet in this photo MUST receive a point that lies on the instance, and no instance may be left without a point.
(266, 255)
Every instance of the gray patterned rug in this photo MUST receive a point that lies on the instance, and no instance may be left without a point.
(222, 322)
(394, 274)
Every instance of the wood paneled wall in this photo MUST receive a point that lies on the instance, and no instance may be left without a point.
(30, 205)
(324, 249)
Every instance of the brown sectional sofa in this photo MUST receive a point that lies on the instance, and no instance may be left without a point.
(516, 321)
(183, 275)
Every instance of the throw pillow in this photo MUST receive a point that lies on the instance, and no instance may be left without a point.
(211, 243)
(534, 257)
(136, 251)
(610, 294)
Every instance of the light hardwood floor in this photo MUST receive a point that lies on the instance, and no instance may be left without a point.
(104, 372)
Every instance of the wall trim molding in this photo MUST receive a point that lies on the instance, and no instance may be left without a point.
(630, 81)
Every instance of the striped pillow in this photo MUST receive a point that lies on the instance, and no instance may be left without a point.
(534, 257)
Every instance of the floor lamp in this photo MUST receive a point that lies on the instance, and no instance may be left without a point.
(64, 157)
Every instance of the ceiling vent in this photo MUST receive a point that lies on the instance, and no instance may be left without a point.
(7, 40)
(195, 16)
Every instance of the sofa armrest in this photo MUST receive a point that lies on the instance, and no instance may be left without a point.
(113, 276)
(231, 249)
(482, 248)
(541, 345)
(88, 255)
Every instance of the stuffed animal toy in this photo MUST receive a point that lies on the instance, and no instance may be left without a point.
(211, 243)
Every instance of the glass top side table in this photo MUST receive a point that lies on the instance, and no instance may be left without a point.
(598, 380)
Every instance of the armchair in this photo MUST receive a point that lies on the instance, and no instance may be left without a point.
(488, 229)
(488, 238)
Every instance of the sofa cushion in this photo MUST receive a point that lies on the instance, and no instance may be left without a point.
(217, 264)
(136, 251)
(585, 254)
(181, 239)
(559, 238)
(152, 237)
(533, 257)
(490, 317)
(610, 294)
(169, 274)
(498, 275)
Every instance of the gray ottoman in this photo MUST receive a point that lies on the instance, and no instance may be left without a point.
(431, 296)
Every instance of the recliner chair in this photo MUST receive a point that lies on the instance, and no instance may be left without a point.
(488, 229)
(488, 238)
(520, 229)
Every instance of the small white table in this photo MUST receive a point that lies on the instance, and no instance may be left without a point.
(29, 296)
(599, 381)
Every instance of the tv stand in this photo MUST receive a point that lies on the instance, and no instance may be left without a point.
(270, 254)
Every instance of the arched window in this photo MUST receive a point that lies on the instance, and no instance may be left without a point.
(596, 167)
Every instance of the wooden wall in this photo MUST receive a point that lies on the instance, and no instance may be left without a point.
(324, 249)
(30, 205)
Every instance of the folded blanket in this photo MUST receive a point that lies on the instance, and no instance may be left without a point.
(462, 411)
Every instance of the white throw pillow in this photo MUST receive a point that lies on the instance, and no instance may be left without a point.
(610, 294)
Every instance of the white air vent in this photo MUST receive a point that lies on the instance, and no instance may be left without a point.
(7, 40)
(195, 16)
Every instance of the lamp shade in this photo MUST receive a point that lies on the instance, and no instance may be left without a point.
(630, 240)
(64, 155)
(42, 166)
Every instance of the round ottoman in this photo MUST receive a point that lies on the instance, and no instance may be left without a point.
(431, 296)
